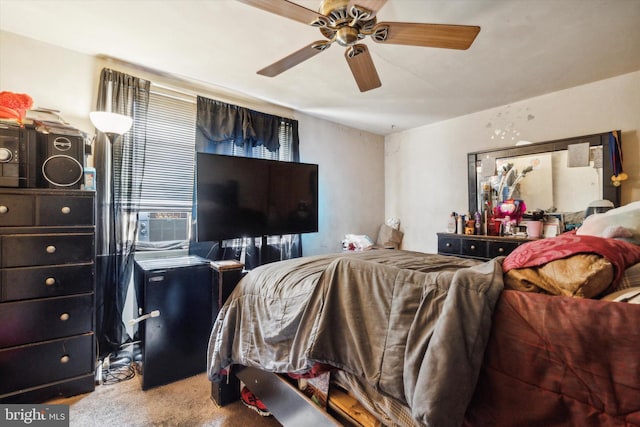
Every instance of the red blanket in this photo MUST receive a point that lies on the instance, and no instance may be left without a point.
(555, 361)
(532, 254)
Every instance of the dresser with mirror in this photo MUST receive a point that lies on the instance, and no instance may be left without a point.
(563, 176)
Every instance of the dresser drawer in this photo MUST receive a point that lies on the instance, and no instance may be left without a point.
(474, 248)
(477, 246)
(39, 320)
(501, 248)
(31, 365)
(449, 245)
(49, 281)
(16, 210)
(64, 210)
(46, 249)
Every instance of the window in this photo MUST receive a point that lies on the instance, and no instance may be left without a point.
(167, 185)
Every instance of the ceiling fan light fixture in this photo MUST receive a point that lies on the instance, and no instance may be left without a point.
(347, 36)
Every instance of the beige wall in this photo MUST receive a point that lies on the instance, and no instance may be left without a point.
(351, 181)
(351, 162)
(425, 168)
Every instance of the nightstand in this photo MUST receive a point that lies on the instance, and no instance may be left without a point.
(226, 275)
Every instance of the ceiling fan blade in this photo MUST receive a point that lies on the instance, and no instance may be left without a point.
(373, 5)
(295, 58)
(427, 35)
(362, 68)
(285, 8)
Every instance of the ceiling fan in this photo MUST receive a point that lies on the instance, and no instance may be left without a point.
(347, 22)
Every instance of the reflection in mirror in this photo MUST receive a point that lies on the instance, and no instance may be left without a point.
(543, 181)
(563, 176)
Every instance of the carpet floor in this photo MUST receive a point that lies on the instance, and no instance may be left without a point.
(184, 403)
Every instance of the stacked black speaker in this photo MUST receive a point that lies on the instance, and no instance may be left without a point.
(41, 155)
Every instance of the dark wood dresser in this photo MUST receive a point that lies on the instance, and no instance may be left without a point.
(47, 285)
(477, 247)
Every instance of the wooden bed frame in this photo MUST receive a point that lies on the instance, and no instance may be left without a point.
(288, 404)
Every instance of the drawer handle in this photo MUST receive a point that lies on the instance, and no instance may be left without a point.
(3, 209)
(51, 249)
(473, 247)
(65, 359)
(50, 281)
(448, 245)
(65, 210)
(500, 250)
(64, 317)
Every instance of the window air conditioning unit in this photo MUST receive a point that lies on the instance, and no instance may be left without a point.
(163, 226)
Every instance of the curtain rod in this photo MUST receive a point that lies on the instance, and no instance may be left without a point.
(191, 98)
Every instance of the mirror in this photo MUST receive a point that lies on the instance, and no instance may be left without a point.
(555, 176)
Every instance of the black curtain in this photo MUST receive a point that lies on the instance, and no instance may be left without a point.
(120, 167)
(220, 125)
(223, 128)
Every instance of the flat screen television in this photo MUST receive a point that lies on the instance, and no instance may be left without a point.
(246, 197)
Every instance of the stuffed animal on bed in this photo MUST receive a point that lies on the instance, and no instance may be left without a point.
(621, 223)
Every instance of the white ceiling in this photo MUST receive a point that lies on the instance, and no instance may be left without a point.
(525, 48)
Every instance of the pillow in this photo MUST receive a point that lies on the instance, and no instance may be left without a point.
(389, 237)
(584, 275)
(538, 252)
(630, 278)
(622, 222)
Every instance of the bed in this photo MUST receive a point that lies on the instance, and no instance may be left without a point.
(425, 339)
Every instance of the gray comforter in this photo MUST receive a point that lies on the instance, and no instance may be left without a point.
(414, 326)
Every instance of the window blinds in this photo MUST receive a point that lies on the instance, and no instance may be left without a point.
(168, 174)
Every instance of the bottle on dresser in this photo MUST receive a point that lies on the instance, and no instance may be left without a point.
(469, 225)
(478, 223)
(451, 224)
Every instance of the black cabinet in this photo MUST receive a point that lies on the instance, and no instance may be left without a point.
(47, 283)
(477, 247)
(175, 295)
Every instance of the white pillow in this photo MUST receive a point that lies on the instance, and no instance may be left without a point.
(622, 222)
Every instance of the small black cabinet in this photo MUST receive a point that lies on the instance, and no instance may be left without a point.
(173, 343)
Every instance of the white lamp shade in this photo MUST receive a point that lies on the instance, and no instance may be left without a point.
(108, 122)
